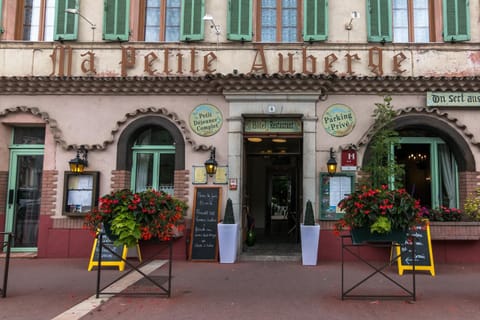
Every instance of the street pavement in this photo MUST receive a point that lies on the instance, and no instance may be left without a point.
(54, 288)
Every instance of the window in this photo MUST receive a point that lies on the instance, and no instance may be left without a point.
(36, 21)
(283, 20)
(153, 161)
(170, 20)
(410, 21)
(278, 20)
(45, 20)
(431, 172)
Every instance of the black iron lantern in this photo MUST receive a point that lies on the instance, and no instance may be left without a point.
(80, 162)
(211, 164)
(331, 163)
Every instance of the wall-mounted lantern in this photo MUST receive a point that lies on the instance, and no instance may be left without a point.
(331, 163)
(80, 162)
(211, 164)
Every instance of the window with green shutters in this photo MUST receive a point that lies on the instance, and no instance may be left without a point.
(379, 20)
(239, 25)
(315, 20)
(116, 22)
(456, 20)
(66, 24)
(191, 28)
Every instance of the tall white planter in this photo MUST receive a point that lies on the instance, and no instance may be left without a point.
(309, 236)
(227, 242)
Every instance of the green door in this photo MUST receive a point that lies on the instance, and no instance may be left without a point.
(23, 198)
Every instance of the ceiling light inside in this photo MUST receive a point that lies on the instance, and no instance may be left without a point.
(279, 140)
(254, 139)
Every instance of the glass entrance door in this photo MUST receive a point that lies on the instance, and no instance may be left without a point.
(23, 201)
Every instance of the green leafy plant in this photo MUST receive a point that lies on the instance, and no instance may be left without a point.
(309, 216)
(134, 216)
(472, 205)
(380, 166)
(381, 210)
(229, 218)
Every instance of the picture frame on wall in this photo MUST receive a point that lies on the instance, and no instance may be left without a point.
(199, 175)
(221, 176)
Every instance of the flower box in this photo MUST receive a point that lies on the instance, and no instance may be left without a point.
(456, 230)
(362, 235)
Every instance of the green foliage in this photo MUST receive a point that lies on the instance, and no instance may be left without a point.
(309, 216)
(126, 228)
(381, 167)
(472, 205)
(229, 218)
(381, 225)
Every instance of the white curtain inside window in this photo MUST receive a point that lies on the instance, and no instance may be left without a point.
(448, 167)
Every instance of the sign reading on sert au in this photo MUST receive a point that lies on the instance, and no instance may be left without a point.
(453, 99)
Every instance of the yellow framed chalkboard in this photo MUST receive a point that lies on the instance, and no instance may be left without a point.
(423, 256)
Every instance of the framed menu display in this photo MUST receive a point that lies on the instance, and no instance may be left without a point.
(332, 190)
(80, 192)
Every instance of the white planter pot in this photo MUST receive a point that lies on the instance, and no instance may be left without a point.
(228, 242)
(310, 236)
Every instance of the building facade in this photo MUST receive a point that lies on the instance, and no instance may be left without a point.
(147, 89)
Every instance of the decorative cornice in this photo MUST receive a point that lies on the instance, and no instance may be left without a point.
(58, 135)
(218, 83)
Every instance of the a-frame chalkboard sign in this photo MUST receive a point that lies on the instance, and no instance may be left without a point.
(108, 258)
(423, 250)
(205, 216)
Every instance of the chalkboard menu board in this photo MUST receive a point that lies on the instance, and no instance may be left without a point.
(108, 258)
(420, 239)
(206, 212)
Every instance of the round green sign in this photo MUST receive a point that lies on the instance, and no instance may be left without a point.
(206, 120)
(338, 120)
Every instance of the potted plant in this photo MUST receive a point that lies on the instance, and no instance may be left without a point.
(228, 235)
(378, 214)
(310, 234)
(128, 217)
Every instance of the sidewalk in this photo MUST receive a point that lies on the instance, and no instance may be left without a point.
(45, 288)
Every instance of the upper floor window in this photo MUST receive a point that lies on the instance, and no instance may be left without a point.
(170, 20)
(162, 20)
(278, 20)
(45, 20)
(411, 21)
(36, 20)
(414, 20)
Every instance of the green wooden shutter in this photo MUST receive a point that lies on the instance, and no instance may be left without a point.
(116, 20)
(1, 14)
(379, 20)
(456, 20)
(191, 27)
(239, 25)
(315, 20)
(66, 24)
